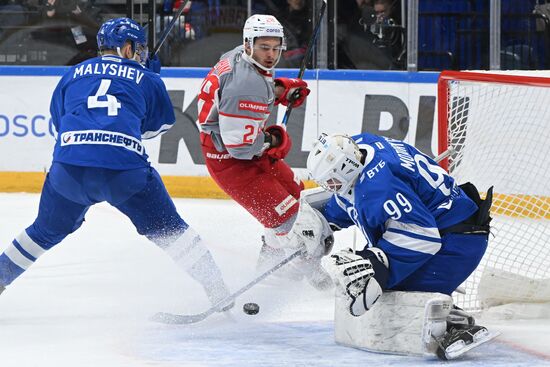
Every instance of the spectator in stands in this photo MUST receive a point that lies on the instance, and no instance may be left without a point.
(69, 26)
(296, 19)
(383, 10)
(349, 15)
(370, 38)
(62, 7)
(389, 35)
(356, 48)
(12, 14)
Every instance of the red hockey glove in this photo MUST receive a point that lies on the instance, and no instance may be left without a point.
(296, 91)
(284, 142)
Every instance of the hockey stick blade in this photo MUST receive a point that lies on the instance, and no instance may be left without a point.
(171, 318)
(177, 319)
(307, 55)
(168, 28)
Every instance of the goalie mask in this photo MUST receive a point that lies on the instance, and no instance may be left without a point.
(261, 25)
(334, 162)
(114, 34)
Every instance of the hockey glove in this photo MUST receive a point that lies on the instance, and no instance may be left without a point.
(310, 231)
(284, 142)
(355, 276)
(295, 92)
(153, 64)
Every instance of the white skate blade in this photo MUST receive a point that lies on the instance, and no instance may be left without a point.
(459, 348)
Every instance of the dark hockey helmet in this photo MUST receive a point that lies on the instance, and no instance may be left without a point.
(114, 33)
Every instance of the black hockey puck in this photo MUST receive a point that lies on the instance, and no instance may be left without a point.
(251, 308)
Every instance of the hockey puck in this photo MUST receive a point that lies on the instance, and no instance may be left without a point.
(251, 308)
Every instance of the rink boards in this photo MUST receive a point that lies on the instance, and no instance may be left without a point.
(397, 104)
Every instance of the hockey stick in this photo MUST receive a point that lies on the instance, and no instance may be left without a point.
(445, 154)
(170, 318)
(168, 28)
(309, 50)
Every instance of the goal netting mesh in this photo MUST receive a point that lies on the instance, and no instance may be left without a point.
(498, 130)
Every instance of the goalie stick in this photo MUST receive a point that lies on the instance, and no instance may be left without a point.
(309, 50)
(168, 28)
(445, 154)
(171, 318)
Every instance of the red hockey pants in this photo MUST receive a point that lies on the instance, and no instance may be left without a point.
(267, 189)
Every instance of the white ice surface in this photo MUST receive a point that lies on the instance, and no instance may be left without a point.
(87, 303)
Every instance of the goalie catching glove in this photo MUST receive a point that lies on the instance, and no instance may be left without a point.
(355, 275)
(295, 92)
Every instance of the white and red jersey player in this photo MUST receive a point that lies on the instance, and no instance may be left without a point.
(235, 100)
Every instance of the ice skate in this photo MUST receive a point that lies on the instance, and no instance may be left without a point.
(459, 340)
(462, 335)
(459, 318)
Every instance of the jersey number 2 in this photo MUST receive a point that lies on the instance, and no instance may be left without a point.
(249, 135)
(111, 104)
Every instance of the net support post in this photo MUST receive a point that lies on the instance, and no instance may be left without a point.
(494, 35)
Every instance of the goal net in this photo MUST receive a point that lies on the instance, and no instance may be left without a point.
(497, 131)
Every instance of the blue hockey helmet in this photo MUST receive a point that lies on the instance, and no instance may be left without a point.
(114, 33)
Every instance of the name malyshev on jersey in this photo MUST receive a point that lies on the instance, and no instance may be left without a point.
(122, 71)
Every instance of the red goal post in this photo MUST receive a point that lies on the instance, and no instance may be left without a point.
(494, 129)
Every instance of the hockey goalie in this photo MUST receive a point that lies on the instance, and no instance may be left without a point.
(424, 233)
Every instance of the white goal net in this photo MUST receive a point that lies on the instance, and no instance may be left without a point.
(498, 130)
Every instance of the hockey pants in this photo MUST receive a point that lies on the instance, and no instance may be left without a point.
(458, 257)
(266, 188)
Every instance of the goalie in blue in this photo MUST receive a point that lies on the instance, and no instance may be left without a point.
(101, 109)
(431, 232)
(423, 231)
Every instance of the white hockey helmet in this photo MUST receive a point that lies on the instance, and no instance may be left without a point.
(262, 25)
(335, 162)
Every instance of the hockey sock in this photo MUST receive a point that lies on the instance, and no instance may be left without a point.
(190, 253)
(18, 257)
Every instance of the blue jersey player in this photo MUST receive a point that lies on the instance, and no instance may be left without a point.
(102, 109)
(424, 232)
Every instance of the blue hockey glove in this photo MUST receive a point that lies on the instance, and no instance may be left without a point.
(153, 64)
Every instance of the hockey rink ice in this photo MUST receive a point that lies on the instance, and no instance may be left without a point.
(88, 301)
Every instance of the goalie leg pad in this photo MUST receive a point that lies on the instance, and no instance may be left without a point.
(399, 323)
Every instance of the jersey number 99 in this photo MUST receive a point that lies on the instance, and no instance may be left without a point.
(394, 209)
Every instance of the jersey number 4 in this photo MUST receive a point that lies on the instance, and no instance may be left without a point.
(111, 104)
